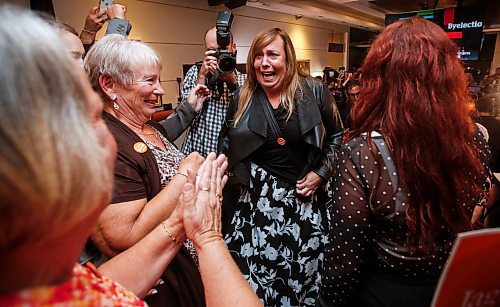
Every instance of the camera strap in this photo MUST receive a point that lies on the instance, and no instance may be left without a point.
(213, 79)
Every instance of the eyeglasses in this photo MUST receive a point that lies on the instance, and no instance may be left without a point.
(352, 95)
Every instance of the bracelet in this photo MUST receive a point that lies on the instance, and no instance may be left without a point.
(90, 32)
(182, 174)
(176, 241)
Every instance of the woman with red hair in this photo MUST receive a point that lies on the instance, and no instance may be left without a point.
(410, 177)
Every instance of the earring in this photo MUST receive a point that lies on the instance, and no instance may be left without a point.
(113, 97)
(116, 106)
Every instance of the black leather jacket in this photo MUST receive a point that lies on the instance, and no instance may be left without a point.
(319, 123)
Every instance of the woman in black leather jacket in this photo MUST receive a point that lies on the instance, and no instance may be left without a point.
(282, 160)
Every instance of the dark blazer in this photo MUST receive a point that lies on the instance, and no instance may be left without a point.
(319, 123)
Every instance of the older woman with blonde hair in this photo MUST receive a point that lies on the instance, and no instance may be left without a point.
(149, 171)
(55, 165)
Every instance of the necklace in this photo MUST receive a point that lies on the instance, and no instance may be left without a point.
(154, 133)
(148, 134)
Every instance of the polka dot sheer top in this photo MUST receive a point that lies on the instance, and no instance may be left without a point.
(369, 227)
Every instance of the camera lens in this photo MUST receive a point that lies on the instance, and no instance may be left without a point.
(227, 63)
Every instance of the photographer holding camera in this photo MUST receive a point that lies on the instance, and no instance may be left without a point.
(218, 72)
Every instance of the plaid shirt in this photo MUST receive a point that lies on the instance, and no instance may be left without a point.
(203, 134)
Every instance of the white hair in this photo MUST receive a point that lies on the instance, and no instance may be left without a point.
(52, 169)
(116, 56)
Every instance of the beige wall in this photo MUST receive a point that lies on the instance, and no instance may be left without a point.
(21, 3)
(175, 28)
(336, 59)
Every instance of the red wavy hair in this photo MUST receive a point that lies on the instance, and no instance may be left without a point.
(414, 90)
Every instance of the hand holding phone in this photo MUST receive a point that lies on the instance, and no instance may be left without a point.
(93, 23)
(103, 4)
(116, 11)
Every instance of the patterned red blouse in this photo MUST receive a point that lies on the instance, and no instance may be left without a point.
(86, 287)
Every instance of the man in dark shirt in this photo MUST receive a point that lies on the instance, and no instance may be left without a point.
(353, 89)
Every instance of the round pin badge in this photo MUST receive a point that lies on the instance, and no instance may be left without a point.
(281, 141)
(140, 147)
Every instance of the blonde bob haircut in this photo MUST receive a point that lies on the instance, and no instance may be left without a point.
(52, 173)
(117, 57)
(291, 87)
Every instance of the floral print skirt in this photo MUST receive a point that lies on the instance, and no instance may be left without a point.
(278, 240)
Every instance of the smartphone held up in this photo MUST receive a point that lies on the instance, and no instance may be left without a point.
(103, 4)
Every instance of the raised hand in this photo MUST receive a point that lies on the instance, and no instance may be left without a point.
(116, 11)
(197, 96)
(95, 20)
(209, 66)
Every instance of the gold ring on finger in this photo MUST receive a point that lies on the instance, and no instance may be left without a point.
(205, 188)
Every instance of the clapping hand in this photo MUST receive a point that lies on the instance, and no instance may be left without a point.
(201, 200)
(190, 164)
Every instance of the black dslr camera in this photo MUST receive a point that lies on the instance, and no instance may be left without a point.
(330, 75)
(226, 59)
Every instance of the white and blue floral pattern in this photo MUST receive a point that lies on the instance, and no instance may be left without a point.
(277, 240)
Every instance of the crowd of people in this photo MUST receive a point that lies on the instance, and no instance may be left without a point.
(288, 191)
